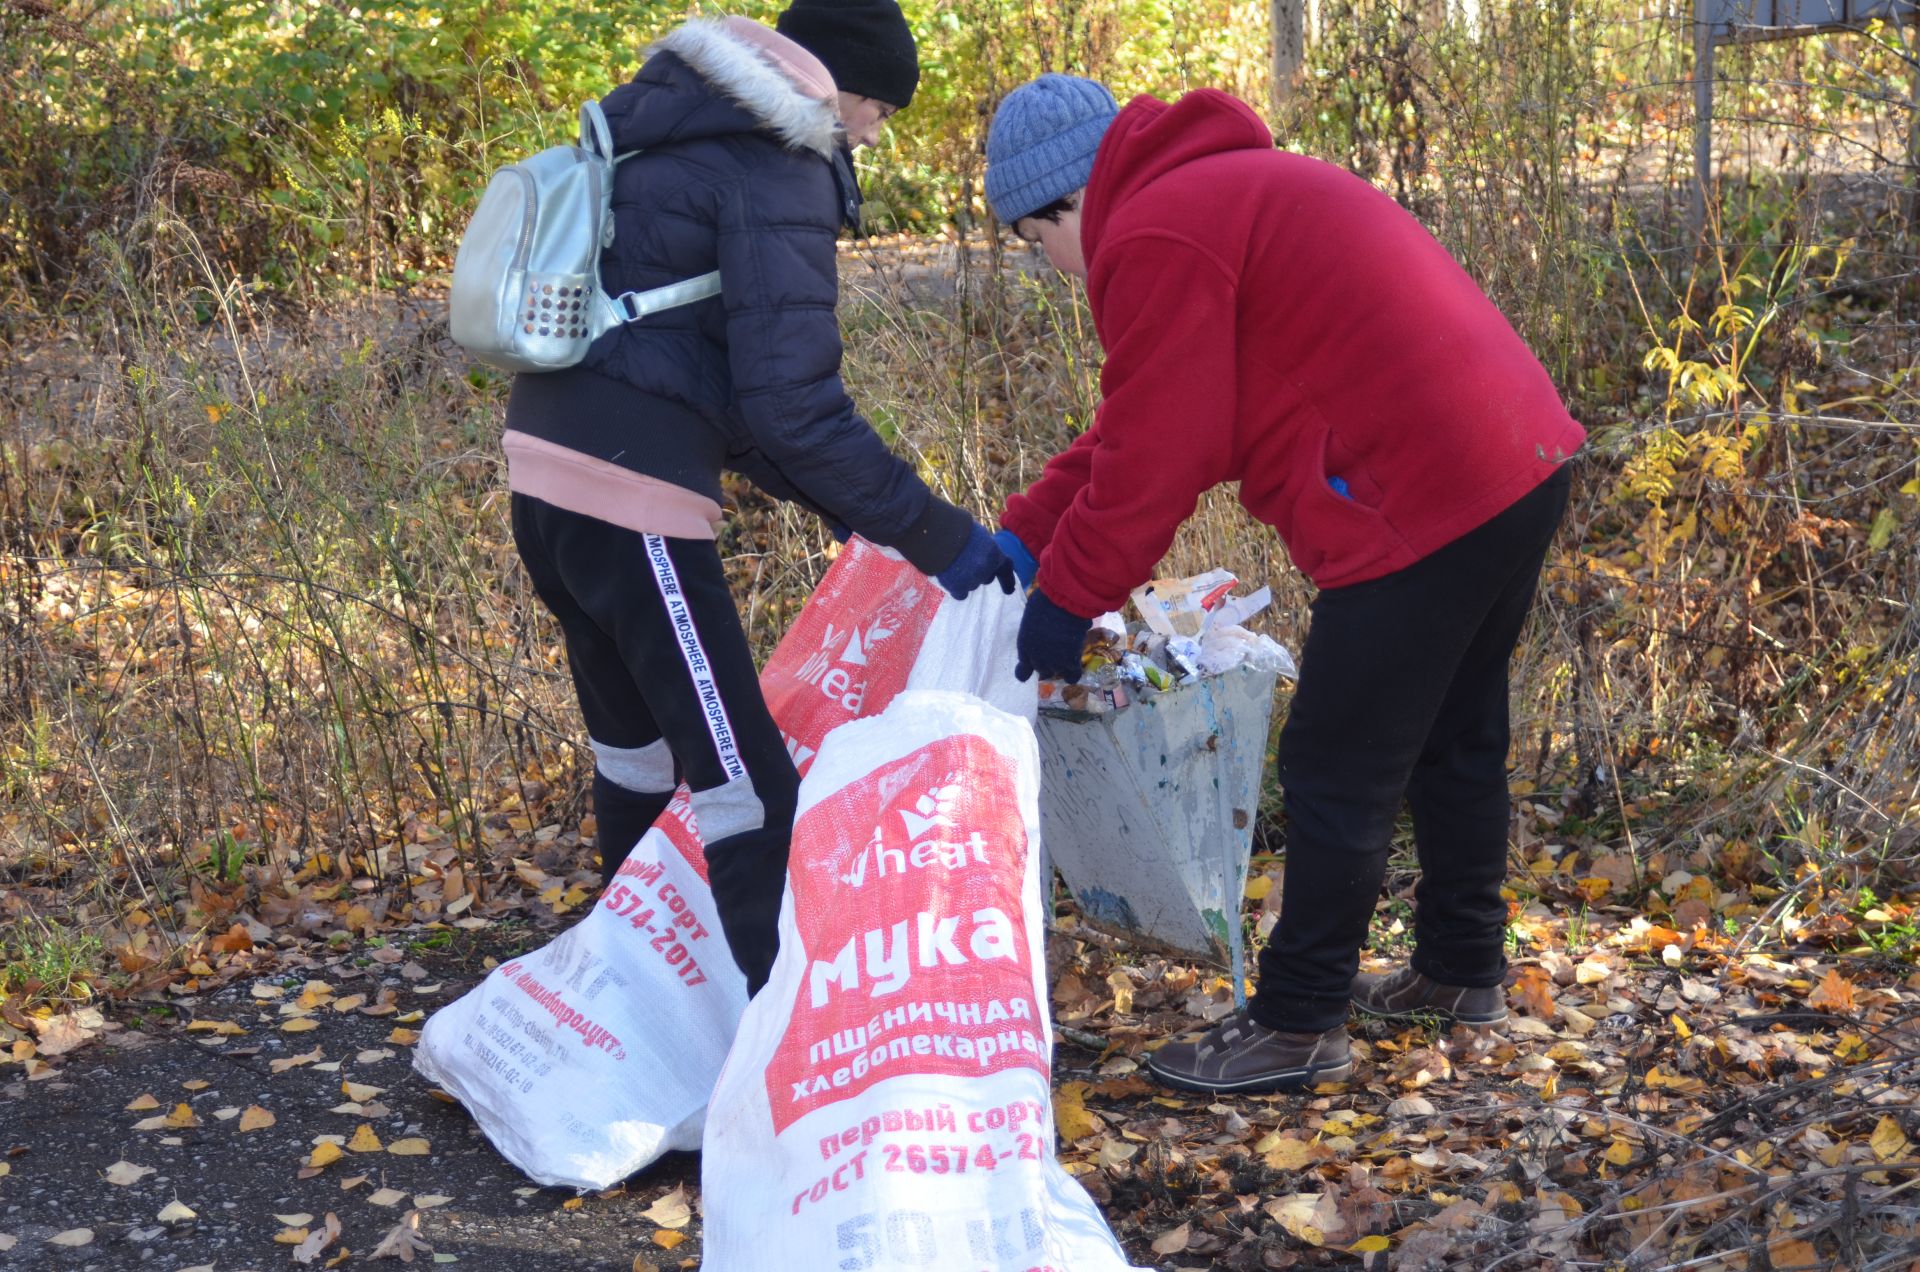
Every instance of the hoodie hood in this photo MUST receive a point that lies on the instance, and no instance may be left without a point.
(1151, 138)
(716, 77)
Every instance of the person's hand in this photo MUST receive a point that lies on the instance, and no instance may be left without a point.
(1024, 566)
(1051, 640)
(980, 559)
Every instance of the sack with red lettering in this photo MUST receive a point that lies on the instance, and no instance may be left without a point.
(587, 1059)
(886, 1102)
(876, 626)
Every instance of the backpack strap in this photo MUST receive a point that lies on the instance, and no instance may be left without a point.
(633, 306)
(596, 137)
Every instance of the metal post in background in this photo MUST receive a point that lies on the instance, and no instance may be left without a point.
(1289, 48)
(1717, 22)
(1702, 117)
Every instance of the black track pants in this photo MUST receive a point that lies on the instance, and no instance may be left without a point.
(1403, 695)
(669, 691)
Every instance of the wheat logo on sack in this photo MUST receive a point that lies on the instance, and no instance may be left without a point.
(848, 654)
(915, 939)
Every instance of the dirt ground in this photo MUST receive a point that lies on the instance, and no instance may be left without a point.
(61, 1136)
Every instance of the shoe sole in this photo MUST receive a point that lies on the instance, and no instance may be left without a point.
(1416, 1013)
(1289, 1080)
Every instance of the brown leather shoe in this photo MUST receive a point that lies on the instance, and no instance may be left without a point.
(1405, 994)
(1239, 1055)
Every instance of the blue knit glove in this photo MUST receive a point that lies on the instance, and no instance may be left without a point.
(980, 559)
(1024, 566)
(1051, 640)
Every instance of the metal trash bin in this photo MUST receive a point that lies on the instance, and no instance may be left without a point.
(1147, 812)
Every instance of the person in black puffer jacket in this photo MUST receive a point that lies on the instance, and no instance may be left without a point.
(739, 140)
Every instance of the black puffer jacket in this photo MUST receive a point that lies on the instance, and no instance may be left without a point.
(736, 172)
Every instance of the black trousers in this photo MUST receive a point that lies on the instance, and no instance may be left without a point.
(1403, 696)
(669, 691)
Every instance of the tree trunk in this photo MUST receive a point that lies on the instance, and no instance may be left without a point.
(1289, 47)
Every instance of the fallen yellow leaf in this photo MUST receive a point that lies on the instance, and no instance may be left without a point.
(1888, 1140)
(255, 1118)
(670, 1210)
(314, 993)
(1834, 993)
(667, 1240)
(141, 1103)
(325, 1155)
(1619, 1152)
(1173, 1242)
(181, 1118)
(364, 1140)
(1289, 1154)
(409, 1148)
(300, 1024)
(1370, 1245)
(294, 1062)
(1679, 1084)
(404, 1037)
(1070, 1113)
(1794, 1253)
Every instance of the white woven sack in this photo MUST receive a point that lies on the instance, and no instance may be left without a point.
(887, 1101)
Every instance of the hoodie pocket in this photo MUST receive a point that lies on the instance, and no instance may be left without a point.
(1332, 532)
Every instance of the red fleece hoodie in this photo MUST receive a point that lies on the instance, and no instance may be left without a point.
(1274, 320)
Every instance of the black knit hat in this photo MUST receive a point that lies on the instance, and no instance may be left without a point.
(866, 44)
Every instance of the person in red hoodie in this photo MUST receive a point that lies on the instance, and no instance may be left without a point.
(1275, 321)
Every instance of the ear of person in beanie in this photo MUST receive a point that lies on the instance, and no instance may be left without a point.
(867, 44)
(1042, 141)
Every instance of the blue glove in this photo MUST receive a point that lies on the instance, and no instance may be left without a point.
(1051, 640)
(980, 559)
(1024, 566)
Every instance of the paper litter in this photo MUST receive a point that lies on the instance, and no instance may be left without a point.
(1188, 629)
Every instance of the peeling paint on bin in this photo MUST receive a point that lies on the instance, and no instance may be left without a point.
(1147, 812)
(1104, 907)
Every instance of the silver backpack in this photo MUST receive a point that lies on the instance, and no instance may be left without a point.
(526, 292)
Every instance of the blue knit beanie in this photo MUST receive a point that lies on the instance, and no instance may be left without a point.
(1042, 141)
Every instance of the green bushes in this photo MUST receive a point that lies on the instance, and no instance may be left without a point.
(301, 139)
(309, 143)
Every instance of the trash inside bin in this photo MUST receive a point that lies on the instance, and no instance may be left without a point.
(1148, 795)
